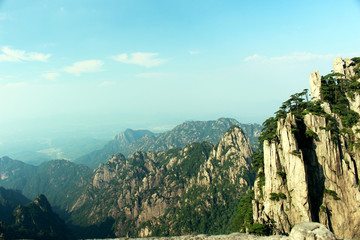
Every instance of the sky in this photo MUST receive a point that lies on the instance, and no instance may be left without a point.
(95, 66)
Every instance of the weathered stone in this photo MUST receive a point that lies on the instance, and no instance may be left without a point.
(311, 231)
(322, 173)
(315, 85)
(339, 65)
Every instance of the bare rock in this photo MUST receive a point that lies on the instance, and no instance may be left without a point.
(315, 85)
(311, 231)
(312, 178)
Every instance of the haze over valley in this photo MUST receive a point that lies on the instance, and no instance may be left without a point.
(180, 119)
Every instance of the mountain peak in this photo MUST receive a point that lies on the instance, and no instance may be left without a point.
(42, 202)
(234, 140)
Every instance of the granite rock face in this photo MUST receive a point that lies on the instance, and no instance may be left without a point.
(315, 84)
(310, 231)
(316, 176)
(150, 190)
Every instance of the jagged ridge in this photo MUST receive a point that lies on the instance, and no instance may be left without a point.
(157, 193)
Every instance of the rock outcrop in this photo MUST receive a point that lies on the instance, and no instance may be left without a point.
(311, 167)
(169, 193)
(310, 231)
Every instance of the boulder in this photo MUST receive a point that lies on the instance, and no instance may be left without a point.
(311, 231)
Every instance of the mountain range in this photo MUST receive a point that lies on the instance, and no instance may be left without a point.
(206, 177)
(132, 141)
(60, 180)
(174, 192)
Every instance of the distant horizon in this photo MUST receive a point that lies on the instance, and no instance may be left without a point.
(107, 131)
(51, 146)
(96, 68)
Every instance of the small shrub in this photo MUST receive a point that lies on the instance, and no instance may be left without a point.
(296, 153)
(277, 196)
(282, 174)
(282, 195)
(259, 229)
(356, 59)
(294, 129)
(311, 134)
(332, 193)
(322, 208)
(274, 196)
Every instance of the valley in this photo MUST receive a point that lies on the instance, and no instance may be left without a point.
(206, 177)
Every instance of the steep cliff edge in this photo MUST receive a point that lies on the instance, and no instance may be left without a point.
(180, 191)
(311, 157)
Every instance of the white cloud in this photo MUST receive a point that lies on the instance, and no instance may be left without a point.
(152, 75)
(16, 85)
(254, 57)
(144, 59)
(14, 55)
(84, 67)
(106, 84)
(51, 76)
(192, 52)
(295, 56)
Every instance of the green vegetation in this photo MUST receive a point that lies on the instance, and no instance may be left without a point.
(334, 88)
(259, 229)
(196, 154)
(282, 174)
(311, 134)
(244, 214)
(331, 193)
(258, 166)
(36, 220)
(243, 219)
(274, 197)
(277, 196)
(60, 180)
(9, 200)
(282, 195)
(296, 153)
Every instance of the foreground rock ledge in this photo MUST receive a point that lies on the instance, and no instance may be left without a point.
(301, 231)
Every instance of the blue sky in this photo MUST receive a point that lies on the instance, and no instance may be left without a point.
(88, 65)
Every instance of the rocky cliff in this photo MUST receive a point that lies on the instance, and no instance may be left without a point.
(174, 192)
(311, 157)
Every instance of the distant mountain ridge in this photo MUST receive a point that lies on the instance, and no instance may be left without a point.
(132, 141)
(43, 149)
(118, 144)
(60, 180)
